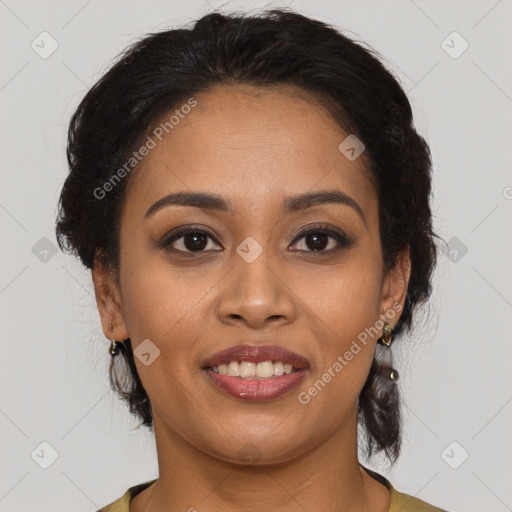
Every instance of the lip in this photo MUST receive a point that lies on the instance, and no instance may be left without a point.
(256, 354)
(254, 390)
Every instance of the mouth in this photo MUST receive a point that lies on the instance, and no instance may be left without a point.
(256, 372)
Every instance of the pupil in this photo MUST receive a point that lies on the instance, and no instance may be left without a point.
(317, 238)
(198, 244)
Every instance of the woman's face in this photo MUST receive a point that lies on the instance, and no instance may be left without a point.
(252, 277)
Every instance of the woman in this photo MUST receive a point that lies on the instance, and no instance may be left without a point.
(252, 199)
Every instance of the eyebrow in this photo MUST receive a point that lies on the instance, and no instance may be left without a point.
(207, 201)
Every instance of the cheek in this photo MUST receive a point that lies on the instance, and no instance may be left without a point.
(157, 296)
(171, 307)
(344, 321)
(164, 306)
(162, 301)
(345, 300)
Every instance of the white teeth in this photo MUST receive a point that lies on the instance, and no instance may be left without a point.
(233, 369)
(248, 370)
(265, 369)
(278, 368)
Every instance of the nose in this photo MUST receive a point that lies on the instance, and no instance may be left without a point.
(256, 294)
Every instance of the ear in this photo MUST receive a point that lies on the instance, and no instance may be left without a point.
(108, 300)
(394, 289)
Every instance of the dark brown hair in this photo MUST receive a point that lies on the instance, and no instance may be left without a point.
(163, 69)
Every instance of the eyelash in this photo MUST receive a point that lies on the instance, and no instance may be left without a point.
(343, 240)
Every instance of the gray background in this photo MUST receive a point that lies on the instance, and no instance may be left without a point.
(455, 369)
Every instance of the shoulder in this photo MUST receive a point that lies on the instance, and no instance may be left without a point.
(405, 503)
(122, 504)
(401, 502)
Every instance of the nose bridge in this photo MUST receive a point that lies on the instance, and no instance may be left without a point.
(255, 291)
(255, 269)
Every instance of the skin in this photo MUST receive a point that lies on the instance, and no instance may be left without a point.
(255, 147)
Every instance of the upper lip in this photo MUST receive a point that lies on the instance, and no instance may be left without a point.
(256, 354)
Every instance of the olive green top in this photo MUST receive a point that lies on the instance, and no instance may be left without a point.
(399, 502)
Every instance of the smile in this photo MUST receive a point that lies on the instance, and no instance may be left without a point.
(256, 372)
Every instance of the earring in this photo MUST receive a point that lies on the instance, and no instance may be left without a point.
(114, 348)
(387, 335)
(386, 339)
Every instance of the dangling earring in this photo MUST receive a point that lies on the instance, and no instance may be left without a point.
(114, 348)
(386, 339)
(387, 335)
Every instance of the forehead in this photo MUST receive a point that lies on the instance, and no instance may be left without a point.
(252, 145)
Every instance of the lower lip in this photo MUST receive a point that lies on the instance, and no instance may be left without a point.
(257, 390)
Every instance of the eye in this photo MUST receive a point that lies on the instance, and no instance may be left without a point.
(194, 240)
(316, 239)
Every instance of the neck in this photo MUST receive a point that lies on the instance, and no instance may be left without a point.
(328, 477)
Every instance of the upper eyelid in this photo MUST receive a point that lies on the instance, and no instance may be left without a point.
(185, 230)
